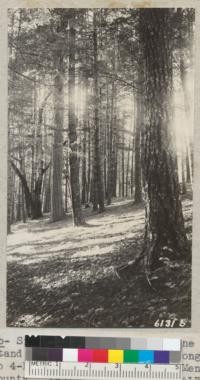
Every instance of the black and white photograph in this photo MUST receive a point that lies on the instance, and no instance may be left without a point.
(100, 167)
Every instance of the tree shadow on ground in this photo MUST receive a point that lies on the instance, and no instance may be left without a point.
(85, 291)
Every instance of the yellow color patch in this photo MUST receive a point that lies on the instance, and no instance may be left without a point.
(115, 356)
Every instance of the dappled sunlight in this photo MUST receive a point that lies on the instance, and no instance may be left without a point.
(107, 232)
(73, 274)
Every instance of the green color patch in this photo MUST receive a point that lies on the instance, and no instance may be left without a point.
(131, 356)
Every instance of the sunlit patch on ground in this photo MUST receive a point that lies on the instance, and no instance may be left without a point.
(61, 276)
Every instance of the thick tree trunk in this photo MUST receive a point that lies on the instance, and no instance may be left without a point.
(98, 185)
(183, 74)
(24, 183)
(57, 212)
(36, 202)
(164, 224)
(73, 144)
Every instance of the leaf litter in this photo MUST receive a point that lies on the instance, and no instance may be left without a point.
(60, 276)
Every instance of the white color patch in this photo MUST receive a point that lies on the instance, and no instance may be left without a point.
(171, 345)
(70, 355)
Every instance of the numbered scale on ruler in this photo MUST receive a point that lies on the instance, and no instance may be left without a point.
(101, 371)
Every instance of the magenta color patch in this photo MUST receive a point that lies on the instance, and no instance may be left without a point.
(85, 355)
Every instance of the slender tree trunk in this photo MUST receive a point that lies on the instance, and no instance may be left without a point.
(84, 146)
(66, 181)
(111, 148)
(23, 206)
(9, 190)
(133, 118)
(47, 194)
(138, 127)
(89, 166)
(84, 184)
(164, 224)
(183, 175)
(188, 167)
(57, 212)
(122, 174)
(127, 171)
(98, 184)
(73, 143)
(13, 197)
(132, 168)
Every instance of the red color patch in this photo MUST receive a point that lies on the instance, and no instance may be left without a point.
(100, 356)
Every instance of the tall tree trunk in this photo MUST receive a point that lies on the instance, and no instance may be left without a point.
(9, 189)
(138, 127)
(84, 146)
(111, 147)
(98, 184)
(73, 143)
(89, 166)
(47, 193)
(84, 179)
(66, 181)
(188, 167)
(23, 207)
(57, 212)
(19, 209)
(122, 173)
(164, 224)
(127, 170)
(183, 175)
(183, 74)
(132, 168)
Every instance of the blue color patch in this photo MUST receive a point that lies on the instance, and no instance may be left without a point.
(161, 357)
(146, 356)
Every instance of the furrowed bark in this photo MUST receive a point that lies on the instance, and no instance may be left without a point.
(73, 145)
(164, 224)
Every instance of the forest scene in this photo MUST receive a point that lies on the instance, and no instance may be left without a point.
(100, 167)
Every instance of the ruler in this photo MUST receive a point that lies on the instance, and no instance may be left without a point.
(87, 371)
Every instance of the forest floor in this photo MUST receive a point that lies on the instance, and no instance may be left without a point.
(65, 276)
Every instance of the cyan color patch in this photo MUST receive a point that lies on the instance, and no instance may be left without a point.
(146, 356)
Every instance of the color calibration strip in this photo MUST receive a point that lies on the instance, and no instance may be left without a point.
(156, 344)
(103, 350)
(83, 355)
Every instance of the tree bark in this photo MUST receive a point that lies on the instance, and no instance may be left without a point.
(98, 185)
(164, 224)
(73, 144)
(127, 171)
(84, 146)
(122, 173)
(138, 128)
(47, 193)
(57, 212)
